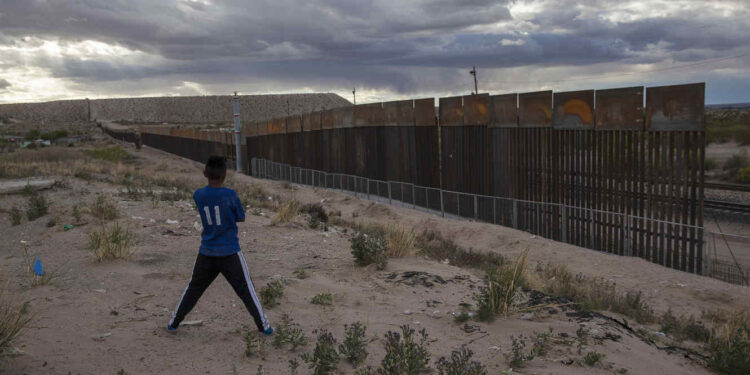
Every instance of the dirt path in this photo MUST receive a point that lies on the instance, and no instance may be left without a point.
(103, 317)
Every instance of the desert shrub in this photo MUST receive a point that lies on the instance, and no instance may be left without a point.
(287, 212)
(28, 190)
(683, 328)
(518, 356)
(325, 359)
(541, 343)
(501, 287)
(460, 364)
(432, 244)
(289, 332)
(369, 249)
(737, 161)
(354, 347)
(316, 210)
(54, 134)
(593, 293)
(293, 366)
(255, 345)
(111, 242)
(15, 216)
(593, 358)
(313, 222)
(744, 175)
(399, 240)
(37, 207)
(325, 299)
(710, 164)
(33, 134)
(51, 222)
(301, 273)
(405, 354)
(76, 214)
(104, 208)
(729, 345)
(114, 154)
(13, 319)
(272, 293)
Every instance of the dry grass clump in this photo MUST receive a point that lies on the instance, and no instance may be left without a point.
(13, 319)
(287, 212)
(254, 196)
(432, 244)
(683, 327)
(104, 208)
(37, 207)
(729, 344)
(113, 154)
(593, 293)
(111, 242)
(502, 285)
(400, 241)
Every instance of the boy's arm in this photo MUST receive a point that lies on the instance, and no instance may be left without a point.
(239, 210)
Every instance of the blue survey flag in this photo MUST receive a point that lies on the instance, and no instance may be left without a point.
(38, 270)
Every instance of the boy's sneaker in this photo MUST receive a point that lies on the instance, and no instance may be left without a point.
(268, 331)
(171, 329)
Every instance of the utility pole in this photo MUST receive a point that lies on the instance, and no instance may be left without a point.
(474, 73)
(354, 92)
(237, 131)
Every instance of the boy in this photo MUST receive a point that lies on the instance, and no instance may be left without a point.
(220, 210)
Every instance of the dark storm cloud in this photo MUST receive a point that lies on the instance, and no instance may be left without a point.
(383, 44)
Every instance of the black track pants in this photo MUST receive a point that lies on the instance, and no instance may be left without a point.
(234, 269)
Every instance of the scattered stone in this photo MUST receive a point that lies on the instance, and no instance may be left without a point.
(527, 316)
(407, 312)
(192, 323)
(413, 278)
(172, 222)
(100, 290)
(101, 337)
(494, 347)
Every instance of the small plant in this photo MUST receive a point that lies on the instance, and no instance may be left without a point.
(103, 208)
(316, 210)
(271, 293)
(518, 356)
(683, 328)
(113, 242)
(76, 214)
(51, 223)
(122, 372)
(13, 319)
(15, 216)
(293, 366)
(313, 222)
(325, 359)
(354, 347)
(254, 344)
(325, 299)
(593, 358)
(541, 343)
(37, 207)
(404, 355)
(460, 364)
(502, 285)
(433, 245)
(289, 332)
(260, 370)
(286, 213)
(301, 273)
(400, 241)
(256, 211)
(367, 370)
(369, 249)
(28, 190)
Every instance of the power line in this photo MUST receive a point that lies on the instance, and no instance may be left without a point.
(599, 76)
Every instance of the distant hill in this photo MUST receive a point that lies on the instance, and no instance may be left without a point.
(729, 106)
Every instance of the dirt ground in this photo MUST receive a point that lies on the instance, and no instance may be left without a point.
(103, 317)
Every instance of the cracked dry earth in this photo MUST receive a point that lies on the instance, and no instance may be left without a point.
(99, 318)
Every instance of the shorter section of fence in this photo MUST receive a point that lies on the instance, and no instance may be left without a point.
(555, 221)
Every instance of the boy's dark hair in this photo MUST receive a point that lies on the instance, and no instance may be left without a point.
(216, 166)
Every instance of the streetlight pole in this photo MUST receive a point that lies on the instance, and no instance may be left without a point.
(473, 72)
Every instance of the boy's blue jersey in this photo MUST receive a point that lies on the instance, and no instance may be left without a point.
(220, 210)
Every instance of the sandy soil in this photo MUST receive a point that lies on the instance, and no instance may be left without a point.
(103, 317)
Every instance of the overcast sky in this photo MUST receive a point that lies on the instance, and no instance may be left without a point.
(387, 49)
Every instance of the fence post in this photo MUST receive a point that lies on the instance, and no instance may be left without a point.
(390, 197)
(403, 202)
(476, 209)
(426, 199)
(368, 188)
(515, 213)
(538, 228)
(564, 224)
(413, 197)
(458, 205)
(442, 208)
(494, 210)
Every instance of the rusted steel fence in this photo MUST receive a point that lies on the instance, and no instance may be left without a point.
(620, 165)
